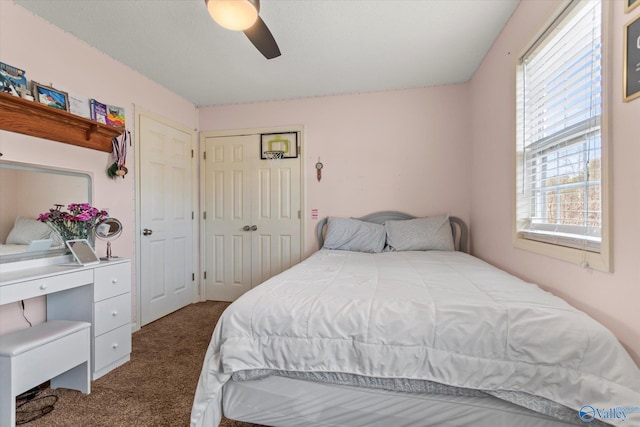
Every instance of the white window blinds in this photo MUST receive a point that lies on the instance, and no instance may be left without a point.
(559, 201)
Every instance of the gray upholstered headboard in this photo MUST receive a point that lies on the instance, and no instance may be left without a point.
(458, 227)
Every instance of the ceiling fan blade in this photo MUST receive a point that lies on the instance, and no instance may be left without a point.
(262, 39)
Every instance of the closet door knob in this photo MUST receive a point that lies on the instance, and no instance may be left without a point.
(254, 227)
(246, 228)
(147, 232)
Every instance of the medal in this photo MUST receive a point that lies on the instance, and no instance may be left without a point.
(119, 152)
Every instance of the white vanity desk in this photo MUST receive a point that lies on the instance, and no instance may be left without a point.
(98, 294)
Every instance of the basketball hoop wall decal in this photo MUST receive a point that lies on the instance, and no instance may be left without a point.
(278, 146)
(274, 154)
(274, 157)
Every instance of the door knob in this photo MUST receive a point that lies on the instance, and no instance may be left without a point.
(246, 228)
(147, 232)
(254, 227)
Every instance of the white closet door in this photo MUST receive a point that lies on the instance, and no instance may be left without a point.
(227, 189)
(166, 249)
(252, 225)
(276, 204)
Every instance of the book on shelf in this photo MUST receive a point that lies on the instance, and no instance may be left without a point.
(98, 111)
(115, 116)
(108, 114)
(13, 80)
(79, 106)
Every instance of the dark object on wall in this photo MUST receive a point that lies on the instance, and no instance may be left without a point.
(632, 59)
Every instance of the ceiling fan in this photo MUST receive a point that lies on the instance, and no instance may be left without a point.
(243, 15)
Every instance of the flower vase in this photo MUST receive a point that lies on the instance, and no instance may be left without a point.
(63, 234)
(91, 238)
(86, 233)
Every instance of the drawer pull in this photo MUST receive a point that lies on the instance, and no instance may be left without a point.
(114, 345)
(114, 280)
(43, 286)
(114, 313)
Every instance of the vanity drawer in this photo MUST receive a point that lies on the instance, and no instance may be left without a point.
(112, 280)
(45, 285)
(111, 313)
(112, 346)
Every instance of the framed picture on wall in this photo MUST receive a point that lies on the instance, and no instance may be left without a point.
(287, 143)
(49, 96)
(629, 5)
(631, 55)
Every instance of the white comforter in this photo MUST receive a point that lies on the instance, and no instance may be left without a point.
(441, 316)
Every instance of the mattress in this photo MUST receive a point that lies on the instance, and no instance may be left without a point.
(444, 317)
(279, 401)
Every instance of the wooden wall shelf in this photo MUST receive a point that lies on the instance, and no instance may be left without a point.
(31, 118)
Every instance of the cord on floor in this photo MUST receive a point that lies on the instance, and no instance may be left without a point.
(31, 405)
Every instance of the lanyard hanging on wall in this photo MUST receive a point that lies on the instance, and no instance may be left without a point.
(119, 151)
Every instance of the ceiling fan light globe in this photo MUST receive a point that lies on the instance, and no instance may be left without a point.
(236, 15)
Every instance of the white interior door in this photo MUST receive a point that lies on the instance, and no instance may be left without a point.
(252, 225)
(276, 241)
(227, 211)
(166, 215)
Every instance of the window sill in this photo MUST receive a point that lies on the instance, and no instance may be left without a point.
(585, 259)
(569, 240)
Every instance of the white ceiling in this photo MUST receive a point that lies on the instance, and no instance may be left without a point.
(328, 46)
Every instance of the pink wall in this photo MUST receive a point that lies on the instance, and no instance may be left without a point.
(405, 150)
(613, 299)
(49, 55)
(423, 151)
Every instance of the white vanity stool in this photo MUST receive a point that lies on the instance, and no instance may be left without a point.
(57, 350)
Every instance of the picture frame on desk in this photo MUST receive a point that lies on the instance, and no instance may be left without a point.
(49, 96)
(631, 55)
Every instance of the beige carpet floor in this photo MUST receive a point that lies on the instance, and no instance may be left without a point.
(154, 389)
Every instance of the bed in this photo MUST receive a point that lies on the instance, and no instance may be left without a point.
(29, 235)
(412, 331)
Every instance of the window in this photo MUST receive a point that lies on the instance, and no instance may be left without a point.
(560, 189)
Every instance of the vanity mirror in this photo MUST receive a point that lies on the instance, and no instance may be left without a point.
(108, 229)
(27, 190)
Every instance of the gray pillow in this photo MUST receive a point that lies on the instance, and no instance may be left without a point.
(354, 235)
(420, 234)
(25, 230)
